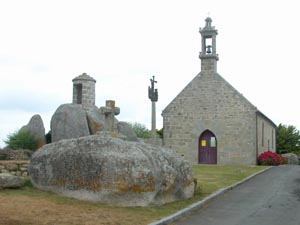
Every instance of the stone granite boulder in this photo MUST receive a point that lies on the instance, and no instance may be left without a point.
(126, 130)
(112, 171)
(96, 120)
(69, 121)
(8, 180)
(292, 158)
(36, 128)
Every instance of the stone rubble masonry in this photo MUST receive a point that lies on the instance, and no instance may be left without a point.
(266, 135)
(14, 167)
(84, 91)
(209, 102)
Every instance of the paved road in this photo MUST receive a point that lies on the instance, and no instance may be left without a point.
(271, 198)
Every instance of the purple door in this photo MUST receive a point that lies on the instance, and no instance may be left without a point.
(207, 148)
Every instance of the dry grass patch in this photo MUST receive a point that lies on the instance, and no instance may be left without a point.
(29, 206)
(47, 209)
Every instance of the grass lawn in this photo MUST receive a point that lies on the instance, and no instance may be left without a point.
(33, 207)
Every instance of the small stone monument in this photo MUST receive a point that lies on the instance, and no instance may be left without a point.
(110, 111)
(153, 96)
(83, 118)
(84, 91)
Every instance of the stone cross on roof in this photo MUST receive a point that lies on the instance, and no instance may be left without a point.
(110, 111)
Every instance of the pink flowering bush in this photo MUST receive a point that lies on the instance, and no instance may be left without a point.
(269, 158)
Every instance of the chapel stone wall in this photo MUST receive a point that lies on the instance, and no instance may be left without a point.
(266, 135)
(209, 102)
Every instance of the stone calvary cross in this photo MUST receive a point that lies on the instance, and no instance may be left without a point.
(153, 96)
(110, 111)
(152, 93)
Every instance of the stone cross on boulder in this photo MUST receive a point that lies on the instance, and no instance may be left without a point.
(110, 111)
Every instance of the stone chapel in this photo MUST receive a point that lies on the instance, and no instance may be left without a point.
(210, 122)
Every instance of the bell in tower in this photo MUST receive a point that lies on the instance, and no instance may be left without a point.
(208, 49)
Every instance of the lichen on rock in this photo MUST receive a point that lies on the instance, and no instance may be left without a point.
(112, 171)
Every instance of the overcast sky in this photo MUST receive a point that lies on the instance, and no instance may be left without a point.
(122, 44)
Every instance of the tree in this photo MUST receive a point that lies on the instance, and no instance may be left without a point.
(22, 140)
(143, 132)
(140, 130)
(48, 137)
(287, 139)
(160, 133)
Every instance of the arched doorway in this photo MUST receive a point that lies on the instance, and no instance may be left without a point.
(207, 148)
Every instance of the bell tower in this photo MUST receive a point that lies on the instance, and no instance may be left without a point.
(208, 55)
